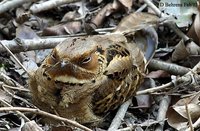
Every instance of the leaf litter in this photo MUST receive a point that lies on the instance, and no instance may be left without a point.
(178, 103)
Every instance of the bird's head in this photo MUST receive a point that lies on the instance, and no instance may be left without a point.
(75, 61)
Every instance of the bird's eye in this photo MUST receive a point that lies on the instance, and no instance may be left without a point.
(86, 60)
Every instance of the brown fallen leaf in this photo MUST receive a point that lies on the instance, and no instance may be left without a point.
(182, 50)
(25, 32)
(141, 30)
(63, 29)
(131, 22)
(28, 58)
(70, 16)
(98, 20)
(127, 3)
(175, 120)
(177, 114)
(4, 96)
(158, 74)
(197, 24)
(145, 101)
(31, 126)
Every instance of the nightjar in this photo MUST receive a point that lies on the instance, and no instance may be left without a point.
(84, 78)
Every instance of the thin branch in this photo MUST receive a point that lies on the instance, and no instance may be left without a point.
(43, 113)
(31, 126)
(15, 58)
(125, 129)
(189, 117)
(116, 122)
(155, 89)
(16, 88)
(164, 104)
(7, 80)
(187, 77)
(10, 4)
(18, 112)
(36, 8)
(169, 67)
(154, 8)
(17, 97)
(22, 45)
(141, 8)
(196, 125)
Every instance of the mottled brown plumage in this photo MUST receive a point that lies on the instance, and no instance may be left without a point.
(84, 78)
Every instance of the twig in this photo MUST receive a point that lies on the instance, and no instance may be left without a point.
(10, 83)
(105, 30)
(43, 113)
(185, 78)
(141, 8)
(36, 8)
(17, 97)
(23, 45)
(16, 59)
(119, 116)
(7, 80)
(125, 129)
(195, 69)
(9, 4)
(189, 117)
(103, 13)
(31, 126)
(16, 88)
(169, 67)
(154, 8)
(18, 112)
(164, 104)
(196, 125)
(27, 45)
(154, 89)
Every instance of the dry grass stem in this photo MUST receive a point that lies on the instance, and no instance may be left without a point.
(43, 113)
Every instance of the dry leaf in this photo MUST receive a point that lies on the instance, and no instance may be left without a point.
(197, 26)
(193, 109)
(28, 58)
(25, 32)
(141, 29)
(105, 12)
(177, 114)
(175, 120)
(31, 126)
(69, 16)
(158, 74)
(145, 101)
(182, 51)
(192, 34)
(63, 29)
(127, 3)
(193, 48)
(194, 31)
(132, 23)
(4, 96)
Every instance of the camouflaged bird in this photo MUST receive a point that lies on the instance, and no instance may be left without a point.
(84, 78)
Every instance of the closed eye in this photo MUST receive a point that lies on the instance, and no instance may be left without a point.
(87, 60)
